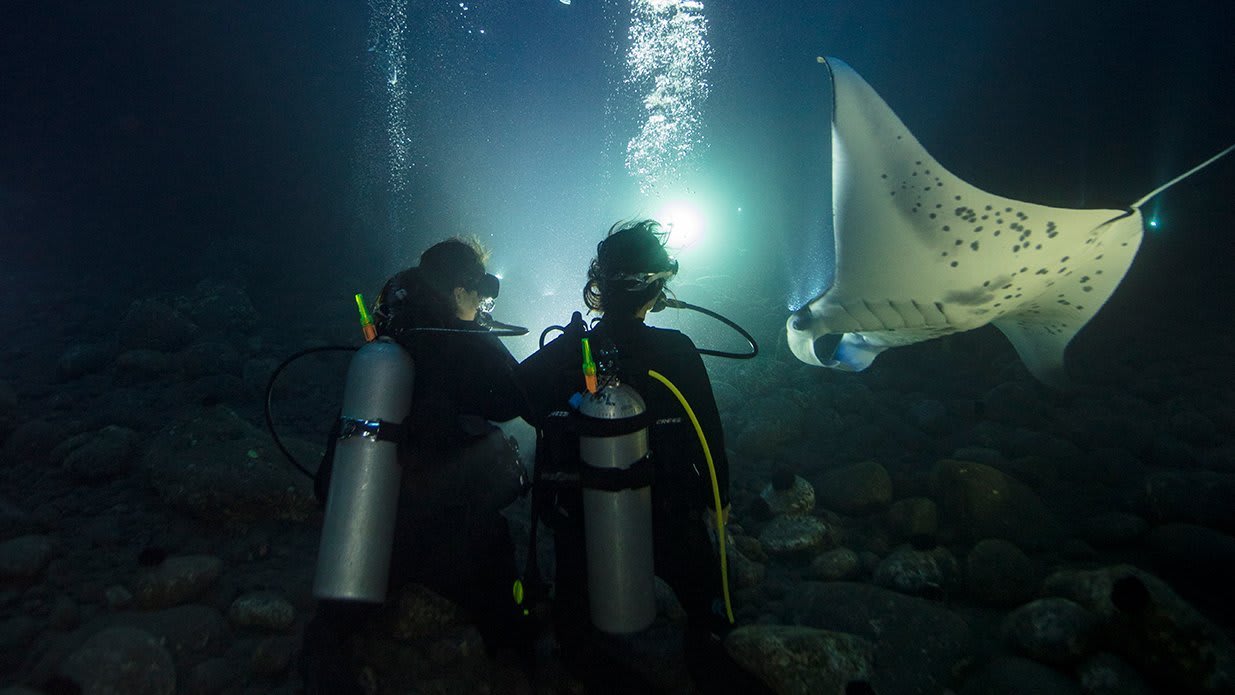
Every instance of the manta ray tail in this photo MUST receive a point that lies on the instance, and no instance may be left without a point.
(1181, 177)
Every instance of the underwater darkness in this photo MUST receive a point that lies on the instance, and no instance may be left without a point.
(166, 154)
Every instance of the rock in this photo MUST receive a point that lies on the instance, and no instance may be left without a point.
(272, 656)
(30, 443)
(23, 559)
(121, 661)
(931, 573)
(913, 517)
(190, 633)
(1144, 621)
(152, 325)
(262, 609)
(1195, 554)
(1112, 466)
(80, 360)
(209, 359)
(745, 572)
(929, 415)
(420, 612)
(1169, 451)
(764, 434)
(1010, 675)
(980, 454)
(220, 306)
(1113, 529)
(798, 500)
(8, 398)
(1197, 497)
(141, 366)
(1052, 630)
(918, 644)
(787, 535)
(64, 614)
(117, 597)
(220, 468)
(801, 660)
(999, 573)
(1193, 428)
(211, 677)
(1012, 403)
(978, 501)
(840, 563)
(106, 455)
(857, 489)
(1107, 674)
(177, 580)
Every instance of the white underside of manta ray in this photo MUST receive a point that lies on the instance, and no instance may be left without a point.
(921, 254)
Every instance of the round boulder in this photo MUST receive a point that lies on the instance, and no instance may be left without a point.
(857, 489)
(801, 660)
(1052, 630)
(999, 573)
(121, 660)
(787, 535)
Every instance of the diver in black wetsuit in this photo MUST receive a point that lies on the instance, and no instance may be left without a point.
(625, 281)
(459, 469)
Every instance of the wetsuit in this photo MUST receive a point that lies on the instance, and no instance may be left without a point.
(459, 471)
(682, 489)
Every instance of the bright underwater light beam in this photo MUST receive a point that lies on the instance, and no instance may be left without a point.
(684, 223)
(669, 60)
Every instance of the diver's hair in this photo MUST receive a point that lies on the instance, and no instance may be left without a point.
(422, 296)
(631, 246)
(455, 262)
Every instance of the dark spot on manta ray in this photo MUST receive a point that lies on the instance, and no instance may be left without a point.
(946, 228)
(958, 242)
(945, 253)
(977, 230)
(954, 264)
(884, 176)
(1064, 259)
(986, 284)
(974, 246)
(958, 197)
(1087, 288)
(1084, 278)
(932, 215)
(1016, 248)
(974, 297)
(1041, 272)
(1038, 247)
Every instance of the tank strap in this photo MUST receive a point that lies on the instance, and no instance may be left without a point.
(638, 475)
(375, 430)
(587, 426)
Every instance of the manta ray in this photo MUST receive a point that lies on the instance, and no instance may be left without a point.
(921, 254)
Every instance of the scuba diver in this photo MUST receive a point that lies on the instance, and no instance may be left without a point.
(454, 471)
(689, 488)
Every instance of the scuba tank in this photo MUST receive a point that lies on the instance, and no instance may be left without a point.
(616, 480)
(353, 560)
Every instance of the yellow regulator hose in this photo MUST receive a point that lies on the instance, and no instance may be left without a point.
(720, 520)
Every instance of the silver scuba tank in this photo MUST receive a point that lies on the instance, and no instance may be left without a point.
(353, 560)
(617, 509)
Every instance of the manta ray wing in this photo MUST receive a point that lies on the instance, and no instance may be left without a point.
(922, 254)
